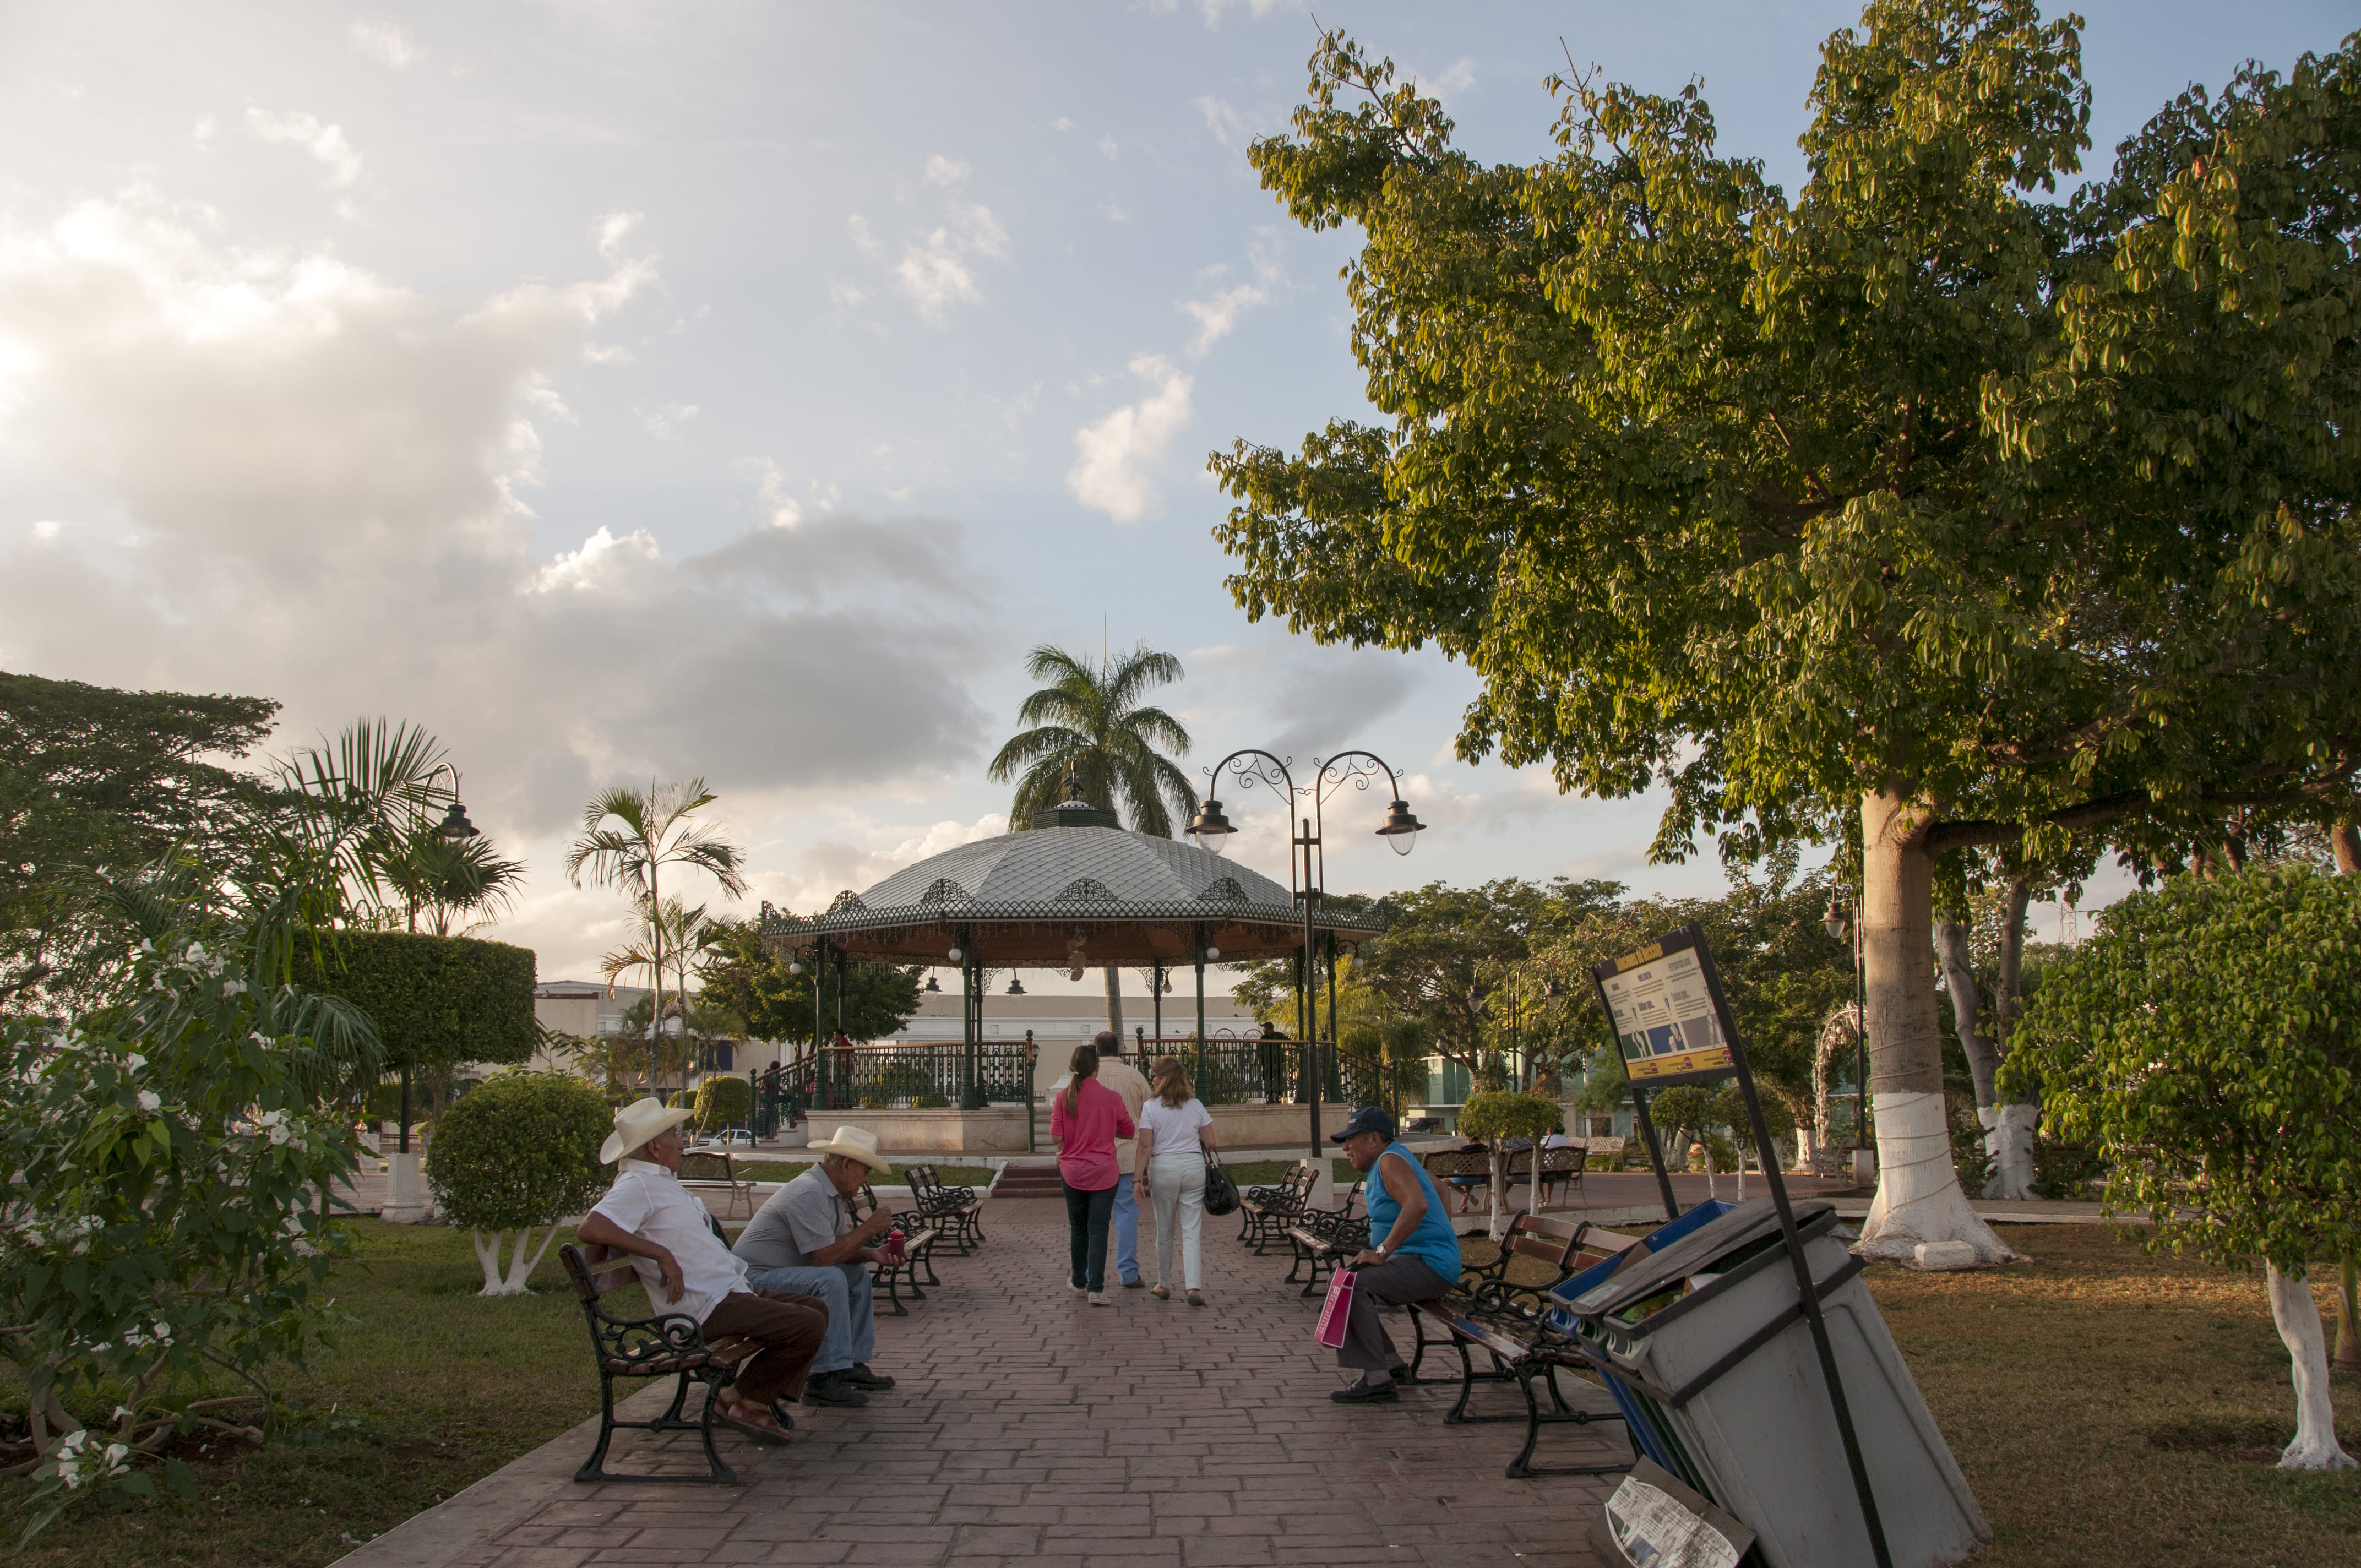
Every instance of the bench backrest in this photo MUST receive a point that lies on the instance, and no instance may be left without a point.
(922, 1182)
(1603, 1145)
(1445, 1164)
(1549, 1241)
(1554, 1161)
(592, 1280)
(707, 1165)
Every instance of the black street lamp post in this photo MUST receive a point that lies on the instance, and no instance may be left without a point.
(1212, 830)
(1843, 918)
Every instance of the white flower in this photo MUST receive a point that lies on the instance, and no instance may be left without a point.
(232, 988)
(150, 1100)
(135, 1061)
(269, 1118)
(278, 1136)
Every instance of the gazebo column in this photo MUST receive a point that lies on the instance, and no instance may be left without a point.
(971, 983)
(1198, 1076)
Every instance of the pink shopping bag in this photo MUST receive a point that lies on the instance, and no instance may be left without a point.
(1337, 1309)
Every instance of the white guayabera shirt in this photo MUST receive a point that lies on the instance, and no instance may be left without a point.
(649, 1201)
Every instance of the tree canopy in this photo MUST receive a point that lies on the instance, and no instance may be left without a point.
(1921, 494)
(746, 982)
(92, 776)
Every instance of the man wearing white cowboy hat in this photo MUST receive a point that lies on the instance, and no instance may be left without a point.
(648, 1214)
(804, 1240)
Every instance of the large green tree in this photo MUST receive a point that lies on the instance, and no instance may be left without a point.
(91, 777)
(1920, 503)
(744, 981)
(2202, 1042)
(1089, 722)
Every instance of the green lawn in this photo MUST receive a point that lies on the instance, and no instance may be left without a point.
(2110, 1410)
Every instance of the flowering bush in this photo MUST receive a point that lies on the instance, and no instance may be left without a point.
(165, 1228)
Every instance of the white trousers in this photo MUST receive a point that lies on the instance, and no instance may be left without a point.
(1176, 1183)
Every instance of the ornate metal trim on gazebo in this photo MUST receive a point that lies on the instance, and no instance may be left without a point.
(1076, 891)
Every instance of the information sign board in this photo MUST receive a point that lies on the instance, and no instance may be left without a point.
(1662, 1005)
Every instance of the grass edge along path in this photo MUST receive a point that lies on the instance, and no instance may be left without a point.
(2110, 1410)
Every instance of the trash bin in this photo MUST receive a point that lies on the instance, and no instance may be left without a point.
(1709, 1338)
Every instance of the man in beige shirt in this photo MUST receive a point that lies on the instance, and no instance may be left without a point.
(1123, 1078)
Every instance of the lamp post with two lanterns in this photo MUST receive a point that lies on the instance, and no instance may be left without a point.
(1844, 919)
(1251, 765)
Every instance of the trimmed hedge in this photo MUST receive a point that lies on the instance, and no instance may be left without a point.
(438, 1001)
(520, 1151)
(724, 1102)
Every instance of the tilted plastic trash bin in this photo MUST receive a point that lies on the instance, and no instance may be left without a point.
(1707, 1332)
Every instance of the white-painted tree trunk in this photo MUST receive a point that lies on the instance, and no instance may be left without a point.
(1918, 1196)
(2008, 1137)
(520, 1268)
(2296, 1316)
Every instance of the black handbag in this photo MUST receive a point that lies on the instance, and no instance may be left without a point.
(1221, 1192)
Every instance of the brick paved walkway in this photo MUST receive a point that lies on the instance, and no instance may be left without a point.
(1029, 1428)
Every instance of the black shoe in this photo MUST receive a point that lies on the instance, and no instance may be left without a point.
(832, 1389)
(1367, 1393)
(1400, 1375)
(860, 1377)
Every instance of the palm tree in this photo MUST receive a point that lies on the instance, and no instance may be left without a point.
(1087, 723)
(650, 831)
(682, 935)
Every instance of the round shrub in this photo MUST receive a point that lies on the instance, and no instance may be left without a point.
(520, 1151)
(724, 1102)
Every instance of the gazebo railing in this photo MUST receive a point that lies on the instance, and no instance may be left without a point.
(917, 1076)
(1251, 1070)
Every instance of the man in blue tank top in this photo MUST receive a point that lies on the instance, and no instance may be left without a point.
(1414, 1254)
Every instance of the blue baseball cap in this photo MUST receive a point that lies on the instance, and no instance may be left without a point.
(1368, 1119)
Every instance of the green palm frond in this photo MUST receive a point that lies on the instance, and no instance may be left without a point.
(1086, 720)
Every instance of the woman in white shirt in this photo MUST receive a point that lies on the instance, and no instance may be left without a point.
(1175, 1129)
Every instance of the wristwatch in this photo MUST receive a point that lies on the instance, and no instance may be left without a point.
(1380, 1250)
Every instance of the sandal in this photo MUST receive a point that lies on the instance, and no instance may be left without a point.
(1196, 1299)
(755, 1421)
(1160, 1291)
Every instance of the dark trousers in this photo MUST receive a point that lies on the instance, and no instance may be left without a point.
(1367, 1346)
(1088, 1218)
(790, 1329)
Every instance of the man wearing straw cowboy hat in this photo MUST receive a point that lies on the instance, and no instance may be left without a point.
(805, 1241)
(648, 1214)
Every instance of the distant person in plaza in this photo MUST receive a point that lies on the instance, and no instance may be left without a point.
(670, 1239)
(1175, 1129)
(1123, 1078)
(1415, 1254)
(1086, 1117)
(804, 1242)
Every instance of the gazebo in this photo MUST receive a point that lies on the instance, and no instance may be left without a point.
(1078, 891)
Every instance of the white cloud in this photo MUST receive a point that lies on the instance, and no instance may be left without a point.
(668, 422)
(324, 142)
(1061, 123)
(383, 41)
(202, 133)
(1230, 127)
(1217, 316)
(1106, 146)
(936, 272)
(863, 240)
(322, 470)
(1112, 474)
(48, 528)
(941, 171)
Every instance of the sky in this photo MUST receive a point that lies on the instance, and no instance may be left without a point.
(626, 391)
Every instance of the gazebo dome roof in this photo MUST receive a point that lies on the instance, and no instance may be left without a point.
(1026, 898)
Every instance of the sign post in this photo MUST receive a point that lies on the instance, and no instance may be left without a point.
(1673, 1025)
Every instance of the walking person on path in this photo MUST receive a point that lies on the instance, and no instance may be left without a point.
(1175, 1129)
(1086, 1117)
(1415, 1258)
(1123, 1078)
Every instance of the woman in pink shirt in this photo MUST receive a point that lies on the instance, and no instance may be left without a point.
(1086, 1117)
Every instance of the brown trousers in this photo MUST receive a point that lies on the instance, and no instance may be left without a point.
(790, 1329)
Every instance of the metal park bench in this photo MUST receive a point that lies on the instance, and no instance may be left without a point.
(709, 1171)
(955, 1210)
(1267, 1211)
(1506, 1320)
(1560, 1168)
(1324, 1238)
(1465, 1172)
(667, 1345)
(887, 1275)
